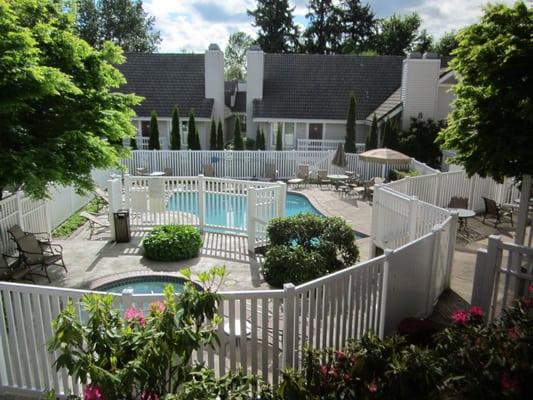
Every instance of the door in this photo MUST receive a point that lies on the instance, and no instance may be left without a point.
(315, 131)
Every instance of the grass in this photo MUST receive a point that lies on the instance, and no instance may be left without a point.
(75, 220)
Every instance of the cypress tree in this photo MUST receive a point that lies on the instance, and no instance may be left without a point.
(349, 141)
(213, 137)
(260, 141)
(372, 139)
(197, 145)
(191, 133)
(175, 136)
(220, 136)
(153, 142)
(390, 135)
(237, 138)
(279, 138)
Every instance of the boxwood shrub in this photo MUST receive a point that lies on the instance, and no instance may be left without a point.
(306, 247)
(172, 243)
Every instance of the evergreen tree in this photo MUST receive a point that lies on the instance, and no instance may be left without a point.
(397, 34)
(220, 136)
(237, 138)
(153, 142)
(133, 143)
(277, 30)
(323, 33)
(372, 139)
(349, 141)
(279, 139)
(446, 44)
(235, 56)
(358, 26)
(175, 135)
(390, 134)
(123, 22)
(260, 142)
(213, 136)
(424, 42)
(191, 132)
(197, 144)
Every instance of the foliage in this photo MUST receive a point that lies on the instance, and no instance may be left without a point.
(372, 138)
(143, 353)
(492, 119)
(396, 34)
(172, 243)
(193, 139)
(323, 32)
(75, 220)
(213, 136)
(123, 22)
(61, 115)
(395, 175)
(250, 144)
(306, 246)
(235, 56)
(390, 134)
(237, 138)
(358, 23)
(175, 134)
(424, 42)
(349, 140)
(277, 32)
(261, 140)
(133, 143)
(153, 142)
(419, 141)
(279, 139)
(446, 44)
(220, 136)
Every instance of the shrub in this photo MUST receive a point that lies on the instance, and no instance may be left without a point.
(395, 175)
(307, 246)
(172, 243)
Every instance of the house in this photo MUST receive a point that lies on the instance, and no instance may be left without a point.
(306, 96)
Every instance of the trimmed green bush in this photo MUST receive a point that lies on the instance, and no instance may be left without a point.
(172, 243)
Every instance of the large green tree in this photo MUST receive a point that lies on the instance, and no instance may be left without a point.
(61, 115)
(358, 26)
(397, 34)
(349, 140)
(123, 22)
(446, 44)
(424, 42)
(419, 141)
(235, 56)
(175, 134)
(277, 32)
(491, 125)
(323, 32)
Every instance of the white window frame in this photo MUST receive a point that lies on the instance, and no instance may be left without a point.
(284, 134)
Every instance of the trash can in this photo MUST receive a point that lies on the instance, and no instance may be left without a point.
(121, 219)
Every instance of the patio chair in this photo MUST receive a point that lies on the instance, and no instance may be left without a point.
(101, 196)
(168, 171)
(16, 232)
(208, 170)
(94, 222)
(458, 202)
(303, 173)
(141, 171)
(34, 255)
(322, 178)
(271, 173)
(16, 271)
(492, 208)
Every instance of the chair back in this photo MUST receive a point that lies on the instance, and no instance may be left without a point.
(303, 171)
(16, 232)
(458, 202)
(322, 174)
(168, 171)
(270, 171)
(490, 206)
(102, 194)
(140, 171)
(30, 249)
(208, 170)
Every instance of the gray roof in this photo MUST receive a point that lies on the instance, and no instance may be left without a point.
(390, 104)
(314, 86)
(166, 80)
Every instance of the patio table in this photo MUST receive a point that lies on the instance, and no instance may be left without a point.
(157, 173)
(463, 214)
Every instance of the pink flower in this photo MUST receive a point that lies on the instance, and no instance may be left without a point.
(476, 311)
(508, 384)
(512, 332)
(92, 392)
(323, 370)
(527, 302)
(149, 396)
(134, 315)
(460, 317)
(372, 387)
(340, 356)
(156, 307)
(530, 288)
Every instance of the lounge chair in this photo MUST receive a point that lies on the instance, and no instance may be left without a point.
(208, 170)
(458, 202)
(491, 208)
(94, 222)
(16, 232)
(270, 174)
(101, 196)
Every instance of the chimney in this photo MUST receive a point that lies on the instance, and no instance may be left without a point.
(420, 81)
(214, 79)
(254, 84)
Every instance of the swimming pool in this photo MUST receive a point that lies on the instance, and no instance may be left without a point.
(144, 284)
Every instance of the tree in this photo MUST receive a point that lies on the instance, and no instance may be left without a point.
(446, 44)
(260, 143)
(220, 136)
(349, 141)
(279, 139)
(133, 143)
(491, 125)
(396, 34)
(60, 111)
(372, 138)
(358, 26)
(237, 138)
(123, 22)
(390, 135)
(213, 136)
(175, 135)
(197, 144)
(277, 31)
(323, 33)
(424, 42)
(235, 56)
(153, 142)
(419, 141)
(191, 132)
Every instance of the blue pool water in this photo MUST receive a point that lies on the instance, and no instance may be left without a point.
(144, 284)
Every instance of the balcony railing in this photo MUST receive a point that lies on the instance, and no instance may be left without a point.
(326, 144)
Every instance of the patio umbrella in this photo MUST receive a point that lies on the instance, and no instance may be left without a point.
(339, 159)
(385, 156)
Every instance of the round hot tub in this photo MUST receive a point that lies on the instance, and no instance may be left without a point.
(142, 284)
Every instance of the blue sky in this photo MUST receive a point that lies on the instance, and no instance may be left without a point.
(191, 25)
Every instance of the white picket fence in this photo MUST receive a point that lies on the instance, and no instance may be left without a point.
(251, 164)
(326, 144)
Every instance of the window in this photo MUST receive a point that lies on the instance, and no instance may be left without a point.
(287, 131)
(145, 128)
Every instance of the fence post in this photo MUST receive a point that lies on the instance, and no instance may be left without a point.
(201, 201)
(127, 191)
(430, 287)
(384, 292)
(485, 273)
(250, 218)
(454, 225)
(471, 192)
(413, 217)
(288, 326)
(375, 219)
(127, 298)
(20, 215)
(282, 194)
(436, 197)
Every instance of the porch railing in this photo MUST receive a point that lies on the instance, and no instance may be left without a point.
(326, 144)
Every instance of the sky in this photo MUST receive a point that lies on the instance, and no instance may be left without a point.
(191, 25)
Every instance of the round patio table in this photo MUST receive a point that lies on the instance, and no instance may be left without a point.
(463, 214)
(339, 177)
(157, 173)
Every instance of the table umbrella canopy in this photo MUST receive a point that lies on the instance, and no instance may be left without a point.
(385, 156)
(339, 159)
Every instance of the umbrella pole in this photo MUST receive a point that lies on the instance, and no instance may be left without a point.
(383, 171)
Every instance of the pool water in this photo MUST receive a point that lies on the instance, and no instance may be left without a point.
(144, 284)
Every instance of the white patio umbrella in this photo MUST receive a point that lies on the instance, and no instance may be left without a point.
(385, 156)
